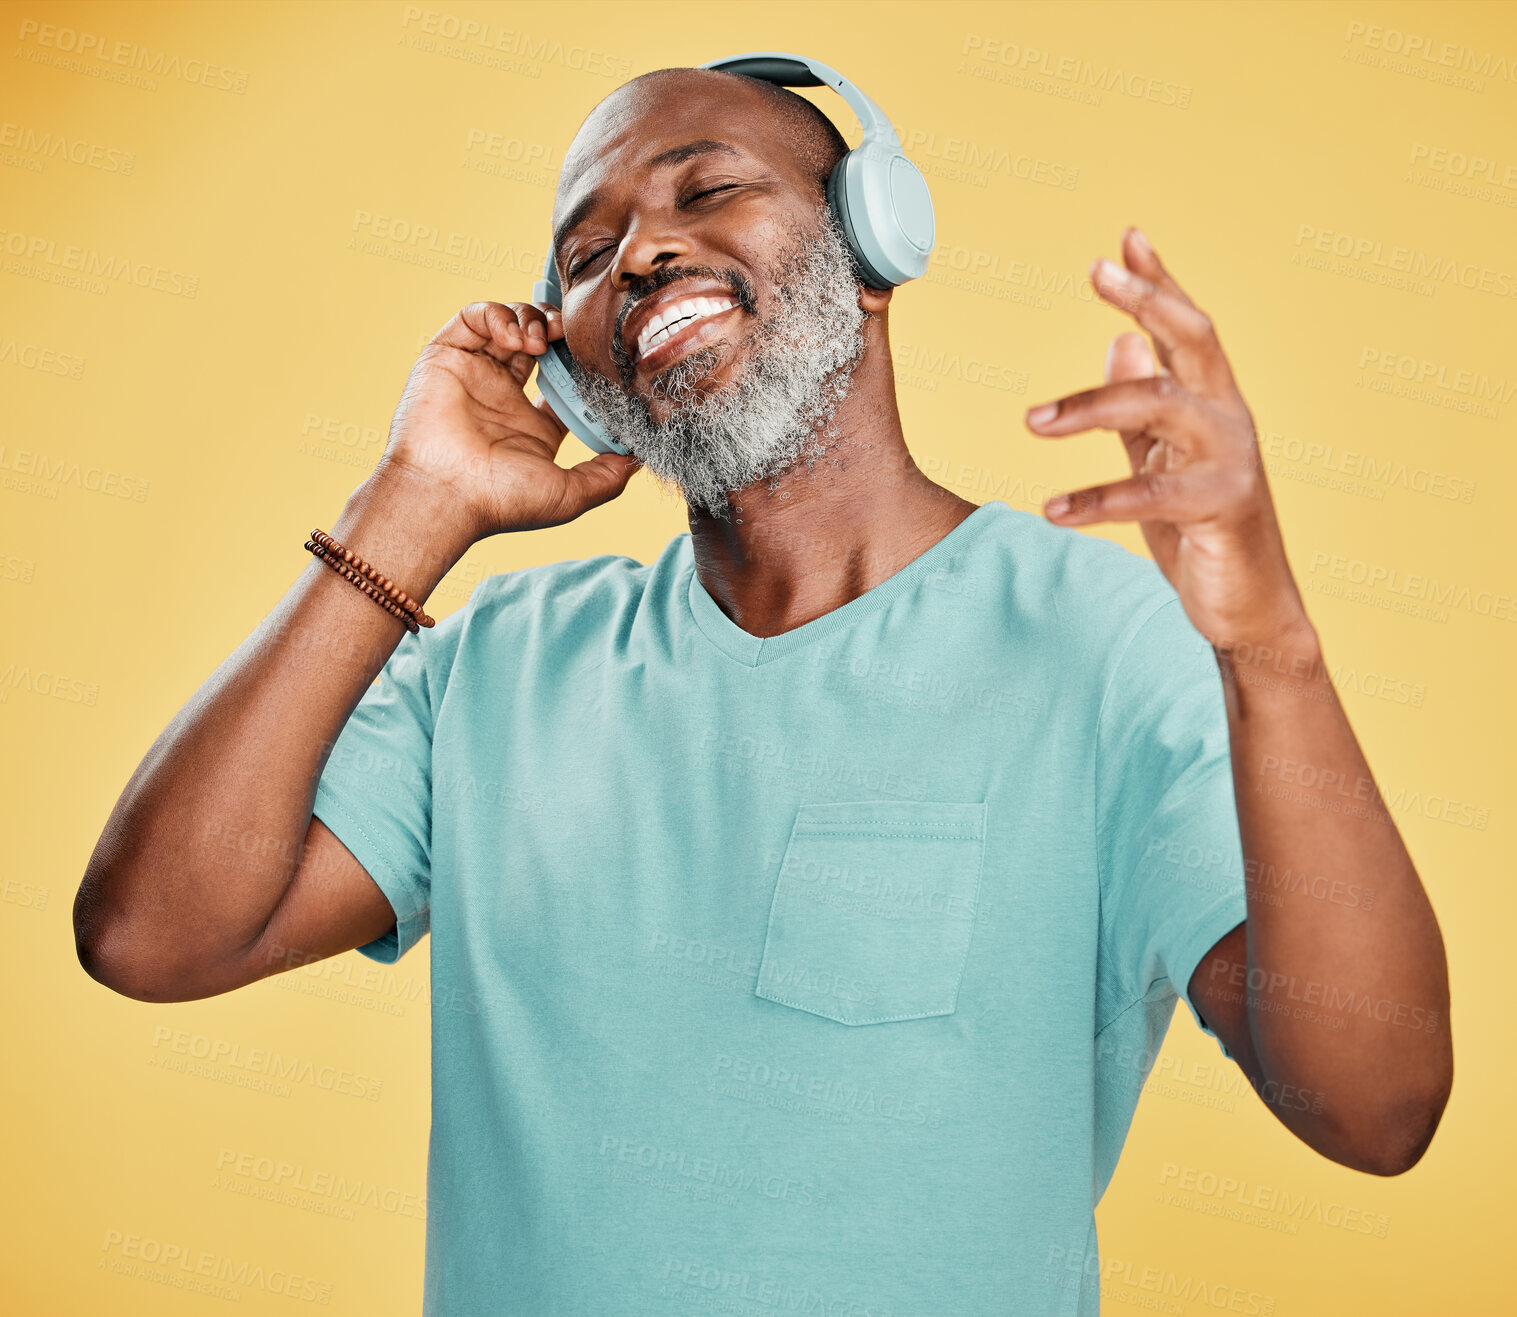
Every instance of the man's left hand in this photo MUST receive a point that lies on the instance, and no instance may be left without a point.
(1198, 489)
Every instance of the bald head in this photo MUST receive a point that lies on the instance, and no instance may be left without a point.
(699, 186)
(801, 130)
(805, 131)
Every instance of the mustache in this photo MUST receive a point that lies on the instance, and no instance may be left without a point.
(647, 285)
(778, 412)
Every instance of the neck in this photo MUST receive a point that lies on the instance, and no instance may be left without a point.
(823, 538)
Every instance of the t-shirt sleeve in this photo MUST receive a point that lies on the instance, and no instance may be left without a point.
(1167, 837)
(375, 793)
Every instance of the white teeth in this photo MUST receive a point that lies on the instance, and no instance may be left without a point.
(676, 317)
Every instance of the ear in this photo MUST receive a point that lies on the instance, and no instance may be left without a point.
(874, 300)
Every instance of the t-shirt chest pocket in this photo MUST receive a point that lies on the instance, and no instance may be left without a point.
(873, 910)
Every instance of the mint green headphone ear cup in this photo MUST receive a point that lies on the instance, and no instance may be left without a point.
(555, 382)
(885, 209)
(837, 202)
(912, 202)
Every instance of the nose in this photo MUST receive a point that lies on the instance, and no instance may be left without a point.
(647, 246)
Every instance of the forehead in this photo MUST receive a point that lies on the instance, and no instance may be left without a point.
(649, 116)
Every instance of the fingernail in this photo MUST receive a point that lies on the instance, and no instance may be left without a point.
(1042, 415)
(1057, 506)
(1112, 271)
(1141, 242)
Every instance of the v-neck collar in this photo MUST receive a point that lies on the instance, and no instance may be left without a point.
(753, 650)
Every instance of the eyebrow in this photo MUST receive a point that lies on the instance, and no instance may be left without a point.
(675, 155)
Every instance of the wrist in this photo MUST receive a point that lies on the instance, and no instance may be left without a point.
(1292, 649)
(1277, 673)
(408, 526)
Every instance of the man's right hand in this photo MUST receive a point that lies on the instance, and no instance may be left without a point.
(465, 423)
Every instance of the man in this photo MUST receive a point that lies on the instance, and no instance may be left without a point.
(807, 906)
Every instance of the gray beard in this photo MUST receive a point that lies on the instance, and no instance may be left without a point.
(777, 413)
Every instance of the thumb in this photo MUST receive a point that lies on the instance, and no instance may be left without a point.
(1130, 358)
(600, 479)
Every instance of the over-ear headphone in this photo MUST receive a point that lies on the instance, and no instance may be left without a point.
(879, 197)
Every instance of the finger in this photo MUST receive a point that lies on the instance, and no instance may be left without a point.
(534, 344)
(487, 327)
(597, 480)
(1177, 497)
(1141, 258)
(521, 366)
(1184, 335)
(1155, 403)
(1131, 358)
(540, 324)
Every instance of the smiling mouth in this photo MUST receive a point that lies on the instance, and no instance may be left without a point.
(676, 324)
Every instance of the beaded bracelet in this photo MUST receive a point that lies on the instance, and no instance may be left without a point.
(377, 586)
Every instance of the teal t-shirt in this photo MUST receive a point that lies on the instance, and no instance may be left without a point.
(817, 973)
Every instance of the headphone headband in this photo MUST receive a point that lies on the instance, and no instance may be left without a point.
(786, 70)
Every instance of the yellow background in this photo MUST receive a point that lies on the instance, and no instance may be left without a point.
(182, 465)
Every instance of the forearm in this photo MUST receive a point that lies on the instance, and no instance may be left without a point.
(207, 834)
(1346, 984)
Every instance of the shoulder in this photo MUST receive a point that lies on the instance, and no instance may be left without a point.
(557, 586)
(1086, 593)
(560, 612)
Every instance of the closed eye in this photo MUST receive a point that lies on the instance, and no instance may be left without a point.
(694, 196)
(588, 261)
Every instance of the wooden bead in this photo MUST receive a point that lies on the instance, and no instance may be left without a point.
(367, 578)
